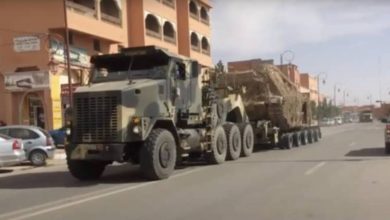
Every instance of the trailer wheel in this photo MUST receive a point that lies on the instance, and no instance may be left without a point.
(287, 141)
(218, 147)
(247, 140)
(85, 170)
(304, 137)
(297, 139)
(310, 135)
(158, 155)
(234, 144)
(315, 135)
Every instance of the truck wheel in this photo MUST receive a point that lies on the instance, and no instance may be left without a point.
(310, 136)
(287, 141)
(315, 135)
(158, 155)
(234, 144)
(297, 139)
(247, 138)
(218, 147)
(85, 170)
(387, 148)
(304, 137)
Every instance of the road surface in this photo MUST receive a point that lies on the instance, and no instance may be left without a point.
(345, 176)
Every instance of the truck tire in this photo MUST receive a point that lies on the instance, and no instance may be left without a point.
(297, 139)
(304, 137)
(319, 133)
(315, 135)
(310, 136)
(85, 170)
(387, 148)
(287, 142)
(248, 140)
(218, 147)
(158, 155)
(234, 143)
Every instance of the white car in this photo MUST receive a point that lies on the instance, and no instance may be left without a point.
(11, 151)
(338, 120)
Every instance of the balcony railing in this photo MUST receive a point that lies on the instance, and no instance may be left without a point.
(153, 34)
(171, 40)
(111, 19)
(206, 52)
(169, 3)
(195, 48)
(81, 9)
(194, 16)
(205, 21)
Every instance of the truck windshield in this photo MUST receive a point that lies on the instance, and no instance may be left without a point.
(121, 67)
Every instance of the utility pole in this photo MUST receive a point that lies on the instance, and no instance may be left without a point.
(67, 52)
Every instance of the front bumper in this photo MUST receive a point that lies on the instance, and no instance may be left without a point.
(103, 152)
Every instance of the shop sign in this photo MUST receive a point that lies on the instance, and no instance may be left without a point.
(65, 89)
(78, 56)
(26, 44)
(27, 80)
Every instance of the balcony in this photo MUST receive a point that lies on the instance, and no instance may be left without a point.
(154, 34)
(79, 8)
(111, 19)
(171, 40)
(195, 48)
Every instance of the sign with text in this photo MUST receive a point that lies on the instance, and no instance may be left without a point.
(27, 80)
(26, 44)
(78, 56)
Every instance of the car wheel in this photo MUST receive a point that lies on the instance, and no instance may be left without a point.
(38, 158)
(387, 148)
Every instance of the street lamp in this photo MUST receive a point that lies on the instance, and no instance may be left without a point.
(345, 94)
(335, 90)
(318, 91)
(290, 56)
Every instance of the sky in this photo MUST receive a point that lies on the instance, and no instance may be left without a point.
(348, 41)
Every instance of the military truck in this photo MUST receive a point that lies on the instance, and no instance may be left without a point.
(279, 114)
(147, 106)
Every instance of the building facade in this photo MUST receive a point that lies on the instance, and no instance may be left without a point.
(33, 75)
(309, 86)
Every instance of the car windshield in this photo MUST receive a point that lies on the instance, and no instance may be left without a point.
(4, 137)
(121, 67)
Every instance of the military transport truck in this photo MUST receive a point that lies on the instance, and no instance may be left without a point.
(147, 106)
(279, 114)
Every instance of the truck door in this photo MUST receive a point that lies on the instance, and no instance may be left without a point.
(183, 99)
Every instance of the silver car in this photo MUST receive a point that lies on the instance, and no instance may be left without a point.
(11, 151)
(38, 144)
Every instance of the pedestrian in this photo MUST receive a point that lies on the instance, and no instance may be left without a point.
(2, 123)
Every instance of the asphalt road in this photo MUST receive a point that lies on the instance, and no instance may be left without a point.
(345, 176)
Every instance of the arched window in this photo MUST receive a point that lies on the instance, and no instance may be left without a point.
(195, 42)
(204, 16)
(205, 46)
(194, 10)
(110, 7)
(169, 32)
(152, 26)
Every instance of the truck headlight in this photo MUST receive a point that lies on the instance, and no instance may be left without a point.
(68, 131)
(136, 130)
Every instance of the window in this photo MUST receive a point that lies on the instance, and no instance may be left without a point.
(204, 16)
(71, 38)
(205, 46)
(96, 45)
(22, 133)
(195, 42)
(169, 33)
(111, 11)
(152, 26)
(4, 131)
(194, 10)
(169, 3)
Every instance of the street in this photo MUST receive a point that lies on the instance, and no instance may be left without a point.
(344, 176)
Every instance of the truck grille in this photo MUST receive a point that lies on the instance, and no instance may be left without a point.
(96, 118)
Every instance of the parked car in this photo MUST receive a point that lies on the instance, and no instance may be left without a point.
(11, 151)
(338, 120)
(58, 136)
(38, 144)
(328, 122)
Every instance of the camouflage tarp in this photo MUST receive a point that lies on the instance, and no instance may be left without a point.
(269, 95)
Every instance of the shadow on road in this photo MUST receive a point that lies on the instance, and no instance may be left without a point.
(62, 179)
(367, 152)
(5, 171)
